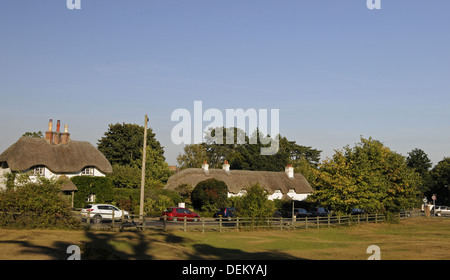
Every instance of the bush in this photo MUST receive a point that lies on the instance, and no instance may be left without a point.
(255, 204)
(209, 195)
(36, 205)
(157, 200)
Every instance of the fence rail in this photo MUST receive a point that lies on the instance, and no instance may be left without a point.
(238, 223)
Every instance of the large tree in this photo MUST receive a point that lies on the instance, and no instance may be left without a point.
(244, 152)
(419, 161)
(122, 143)
(440, 182)
(368, 176)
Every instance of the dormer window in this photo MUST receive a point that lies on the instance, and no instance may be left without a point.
(39, 170)
(88, 171)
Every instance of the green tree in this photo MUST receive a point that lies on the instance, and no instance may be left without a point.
(210, 194)
(39, 204)
(368, 176)
(255, 204)
(440, 182)
(193, 156)
(419, 161)
(245, 152)
(122, 143)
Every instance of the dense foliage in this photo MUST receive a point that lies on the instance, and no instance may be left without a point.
(36, 205)
(246, 155)
(439, 182)
(209, 195)
(368, 176)
(254, 203)
(102, 187)
(122, 143)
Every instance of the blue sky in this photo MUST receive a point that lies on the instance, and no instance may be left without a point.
(335, 69)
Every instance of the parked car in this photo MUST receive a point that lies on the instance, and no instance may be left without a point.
(319, 211)
(442, 211)
(228, 212)
(301, 213)
(101, 212)
(179, 213)
(357, 211)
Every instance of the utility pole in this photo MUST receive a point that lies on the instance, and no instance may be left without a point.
(144, 153)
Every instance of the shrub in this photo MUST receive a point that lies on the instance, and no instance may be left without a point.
(36, 205)
(209, 195)
(255, 204)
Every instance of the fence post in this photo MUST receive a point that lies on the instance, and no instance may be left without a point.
(203, 225)
(281, 223)
(113, 218)
(220, 223)
(339, 219)
(328, 220)
(143, 221)
(88, 217)
(184, 224)
(306, 222)
(164, 222)
(317, 221)
(237, 223)
(376, 218)
(293, 222)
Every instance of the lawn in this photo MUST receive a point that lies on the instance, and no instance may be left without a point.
(411, 239)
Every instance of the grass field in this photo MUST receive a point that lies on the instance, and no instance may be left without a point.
(410, 239)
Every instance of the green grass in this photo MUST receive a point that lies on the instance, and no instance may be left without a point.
(416, 238)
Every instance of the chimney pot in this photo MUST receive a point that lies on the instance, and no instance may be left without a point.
(205, 166)
(226, 166)
(49, 133)
(65, 136)
(289, 171)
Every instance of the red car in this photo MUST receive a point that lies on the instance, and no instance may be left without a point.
(179, 214)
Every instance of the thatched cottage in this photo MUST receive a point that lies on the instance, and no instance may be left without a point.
(56, 156)
(279, 185)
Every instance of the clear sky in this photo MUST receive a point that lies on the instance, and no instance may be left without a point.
(335, 69)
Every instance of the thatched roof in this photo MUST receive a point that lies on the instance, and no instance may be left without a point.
(67, 184)
(69, 158)
(236, 180)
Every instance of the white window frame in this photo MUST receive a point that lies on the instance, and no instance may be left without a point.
(87, 171)
(39, 170)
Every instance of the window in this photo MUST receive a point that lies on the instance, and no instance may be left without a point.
(88, 171)
(91, 198)
(39, 170)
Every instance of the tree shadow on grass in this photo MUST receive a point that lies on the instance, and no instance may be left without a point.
(140, 245)
(208, 252)
(99, 246)
(57, 251)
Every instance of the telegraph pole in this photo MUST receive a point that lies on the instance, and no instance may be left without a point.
(144, 153)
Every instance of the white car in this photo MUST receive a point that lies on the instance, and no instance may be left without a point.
(99, 212)
(442, 211)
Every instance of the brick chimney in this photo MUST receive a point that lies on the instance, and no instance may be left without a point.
(65, 136)
(289, 171)
(49, 132)
(57, 137)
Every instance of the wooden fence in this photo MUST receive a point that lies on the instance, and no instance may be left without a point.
(238, 223)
